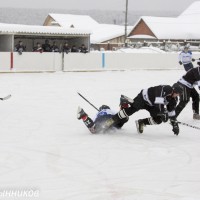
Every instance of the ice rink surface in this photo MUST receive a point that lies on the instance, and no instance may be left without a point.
(44, 146)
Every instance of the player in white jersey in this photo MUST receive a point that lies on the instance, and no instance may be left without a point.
(98, 124)
(185, 58)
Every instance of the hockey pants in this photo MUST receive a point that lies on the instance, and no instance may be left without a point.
(184, 99)
(140, 104)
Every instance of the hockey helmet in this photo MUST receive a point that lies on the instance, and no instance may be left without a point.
(177, 88)
(104, 107)
(186, 48)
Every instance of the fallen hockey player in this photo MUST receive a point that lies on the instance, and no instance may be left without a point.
(98, 124)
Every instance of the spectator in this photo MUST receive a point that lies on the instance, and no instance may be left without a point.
(54, 47)
(46, 46)
(66, 48)
(83, 49)
(74, 49)
(20, 47)
(38, 48)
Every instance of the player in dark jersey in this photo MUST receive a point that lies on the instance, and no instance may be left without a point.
(160, 101)
(188, 81)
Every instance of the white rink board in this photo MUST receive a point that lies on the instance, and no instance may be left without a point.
(35, 61)
(95, 61)
(5, 63)
(141, 61)
(82, 62)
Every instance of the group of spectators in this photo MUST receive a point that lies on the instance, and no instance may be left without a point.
(46, 47)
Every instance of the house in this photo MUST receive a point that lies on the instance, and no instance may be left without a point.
(185, 27)
(104, 36)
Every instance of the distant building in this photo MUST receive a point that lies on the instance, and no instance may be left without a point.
(185, 27)
(105, 36)
(11, 34)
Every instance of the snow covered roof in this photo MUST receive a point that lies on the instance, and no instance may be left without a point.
(52, 30)
(172, 28)
(99, 32)
(192, 12)
(105, 32)
(77, 21)
(186, 26)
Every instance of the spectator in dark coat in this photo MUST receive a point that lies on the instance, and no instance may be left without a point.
(20, 47)
(66, 48)
(38, 48)
(83, 49)
(46, 46)
(74, 49)
(54, 47)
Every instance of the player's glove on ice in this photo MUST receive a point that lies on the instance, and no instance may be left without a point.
(164, 116)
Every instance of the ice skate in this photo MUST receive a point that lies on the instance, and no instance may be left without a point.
(196, 116)
(125, 101)
(80, 113)
(140, 125)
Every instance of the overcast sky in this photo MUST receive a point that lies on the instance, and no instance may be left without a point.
(99, 4)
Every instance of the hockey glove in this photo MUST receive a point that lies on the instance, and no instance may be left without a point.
(164, 116)
(193, 59)
(175, 127)
(180, 63)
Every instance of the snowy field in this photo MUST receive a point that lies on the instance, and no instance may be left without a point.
(43, 145)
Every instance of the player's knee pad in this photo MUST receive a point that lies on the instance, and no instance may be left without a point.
(152, 121)
(157, 120)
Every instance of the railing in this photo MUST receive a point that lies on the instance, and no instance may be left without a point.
(95, 61)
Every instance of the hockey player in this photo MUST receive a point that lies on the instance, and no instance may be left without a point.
(159, 101)
(191, 78)
(185, 58)
(98, 124)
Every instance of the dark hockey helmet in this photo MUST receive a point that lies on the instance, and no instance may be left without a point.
(177, 88)
(104, 107)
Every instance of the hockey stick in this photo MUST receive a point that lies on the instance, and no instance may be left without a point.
(5, 98)
(87, 101)
(185, 124)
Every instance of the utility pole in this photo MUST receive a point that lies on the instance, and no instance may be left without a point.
(126, 24)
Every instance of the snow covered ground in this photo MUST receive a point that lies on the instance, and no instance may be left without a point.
(43, 146)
